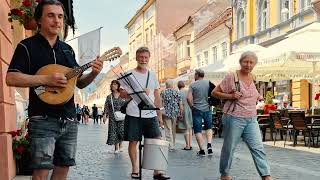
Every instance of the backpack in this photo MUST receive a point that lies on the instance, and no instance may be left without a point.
(212, 100)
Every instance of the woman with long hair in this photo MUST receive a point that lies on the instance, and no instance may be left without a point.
(115, 128)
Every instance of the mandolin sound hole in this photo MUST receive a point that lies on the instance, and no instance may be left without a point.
(53, 91)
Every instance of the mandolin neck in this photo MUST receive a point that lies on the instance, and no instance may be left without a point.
(77, 71)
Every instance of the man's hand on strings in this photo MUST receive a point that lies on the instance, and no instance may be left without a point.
(55, 80)
(96, 66)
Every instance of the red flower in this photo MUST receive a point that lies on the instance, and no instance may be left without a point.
(27, 136)
(17, 12)
(20, 149)
(19, 132)
(317, 96)
(13, 133)
(27, 3)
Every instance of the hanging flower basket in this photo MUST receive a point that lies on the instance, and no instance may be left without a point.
(25, 14)
(30, 24)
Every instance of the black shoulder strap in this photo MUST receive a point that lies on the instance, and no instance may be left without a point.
(148, 79)
(236, 81)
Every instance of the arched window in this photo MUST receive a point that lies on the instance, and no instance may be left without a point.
(241, 23)
(263, 15)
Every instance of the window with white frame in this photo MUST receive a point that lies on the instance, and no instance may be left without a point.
(149, 13)
(147, 36)
(138, 22)
(285, 10)
(206, 57)
(263, 15)
(199, 60)
(188, 48)
(131, 30)
(241, 23)
(151, 36)
(304, 4)
(214, 54)
(224, 49)
(180, 50)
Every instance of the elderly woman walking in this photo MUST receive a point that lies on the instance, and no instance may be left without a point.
(240, 117)
(172, 103)
(185, 122)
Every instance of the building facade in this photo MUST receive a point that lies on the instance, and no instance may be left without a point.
(266, 22)
(7, 99)
(212, 44)
(203, 39)
(152, 26)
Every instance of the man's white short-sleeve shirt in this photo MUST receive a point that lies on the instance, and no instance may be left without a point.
(132, 108)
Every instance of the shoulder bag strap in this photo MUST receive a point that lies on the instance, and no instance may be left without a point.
(237, 86)
(236, 81)
(148, 79)
(112, 103)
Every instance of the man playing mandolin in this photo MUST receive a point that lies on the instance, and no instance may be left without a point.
(53, 128)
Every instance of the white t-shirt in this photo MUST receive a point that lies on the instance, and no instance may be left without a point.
(132, 108)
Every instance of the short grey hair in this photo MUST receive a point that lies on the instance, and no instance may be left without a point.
(199, 72)
(169, 83)
(142, 50)
(247, 54)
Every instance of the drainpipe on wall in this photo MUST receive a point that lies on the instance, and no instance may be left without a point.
(230, 27)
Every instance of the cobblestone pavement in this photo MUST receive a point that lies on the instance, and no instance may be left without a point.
(95, 161)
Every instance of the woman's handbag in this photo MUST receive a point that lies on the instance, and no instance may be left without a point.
(118, 116)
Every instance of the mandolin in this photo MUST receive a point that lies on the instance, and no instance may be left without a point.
(58, 95)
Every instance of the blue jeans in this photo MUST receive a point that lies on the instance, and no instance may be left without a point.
(53, 142)
(197, 117)
(234, 128)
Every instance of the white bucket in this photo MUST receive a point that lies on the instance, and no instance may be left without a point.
(155, 154)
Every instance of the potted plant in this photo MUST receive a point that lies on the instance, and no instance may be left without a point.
(21, 150)
(25, 13)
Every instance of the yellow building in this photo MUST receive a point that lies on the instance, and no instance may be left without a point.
(152, 26)
(266, 22)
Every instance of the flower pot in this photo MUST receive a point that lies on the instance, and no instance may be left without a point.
(30, 24)
(23, 165)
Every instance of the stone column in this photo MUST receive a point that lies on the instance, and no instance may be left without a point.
(7, 100)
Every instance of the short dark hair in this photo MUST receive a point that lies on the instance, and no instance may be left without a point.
(117, 82)
(142, 50)
(199, 72)
(181, 84)
(39, 9)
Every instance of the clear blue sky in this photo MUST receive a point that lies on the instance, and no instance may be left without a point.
(112, 15)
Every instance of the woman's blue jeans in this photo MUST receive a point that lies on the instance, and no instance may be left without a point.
(235, 128)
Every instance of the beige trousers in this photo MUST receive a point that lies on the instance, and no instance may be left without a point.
(170, 130)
